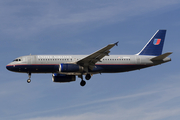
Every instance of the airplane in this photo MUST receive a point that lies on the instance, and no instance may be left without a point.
(65, 68)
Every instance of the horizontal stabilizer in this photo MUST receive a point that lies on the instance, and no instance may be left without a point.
(161, 57)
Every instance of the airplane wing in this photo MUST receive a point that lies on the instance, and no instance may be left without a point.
(90, 60)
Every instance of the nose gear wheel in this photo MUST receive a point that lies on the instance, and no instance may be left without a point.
(29, 80)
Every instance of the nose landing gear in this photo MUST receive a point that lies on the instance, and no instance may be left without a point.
(29, 80)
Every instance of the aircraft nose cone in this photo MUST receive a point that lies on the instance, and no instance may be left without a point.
(8, 67)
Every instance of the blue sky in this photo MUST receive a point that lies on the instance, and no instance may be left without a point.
(82, 27)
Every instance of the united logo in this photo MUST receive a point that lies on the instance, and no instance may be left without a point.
(157, 41)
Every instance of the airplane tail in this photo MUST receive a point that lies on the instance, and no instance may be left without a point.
(154, 46)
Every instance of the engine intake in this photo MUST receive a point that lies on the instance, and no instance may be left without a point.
(63, 78)
(70, 68)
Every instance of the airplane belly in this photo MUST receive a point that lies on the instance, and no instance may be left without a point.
(121, 68)
(44, 68)
(116, 68)
(41, 68)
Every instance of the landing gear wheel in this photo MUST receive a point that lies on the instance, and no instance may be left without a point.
(88, 77)
(29, 80)
(83, 83)
(29, 75)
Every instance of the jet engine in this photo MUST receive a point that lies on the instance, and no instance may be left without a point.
(63, 78)
(64, 67)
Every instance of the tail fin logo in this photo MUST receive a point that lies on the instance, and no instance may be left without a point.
(157, 41)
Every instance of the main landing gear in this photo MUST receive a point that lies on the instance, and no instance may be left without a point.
(83, 83)
(29, 80)
(88, 77)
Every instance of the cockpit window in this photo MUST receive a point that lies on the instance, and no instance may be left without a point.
(17, 60)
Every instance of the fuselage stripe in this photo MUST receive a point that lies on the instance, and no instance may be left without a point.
(58, 64)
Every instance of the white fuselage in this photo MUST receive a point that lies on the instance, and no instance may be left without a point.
(109, 64)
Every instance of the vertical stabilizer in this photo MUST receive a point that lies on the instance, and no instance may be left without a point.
(154, 46)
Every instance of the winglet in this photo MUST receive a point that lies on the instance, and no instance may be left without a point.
(161, 57)
(116, 43)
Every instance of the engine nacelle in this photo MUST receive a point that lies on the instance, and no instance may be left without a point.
(63, 78)
(65, 67)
